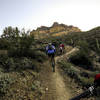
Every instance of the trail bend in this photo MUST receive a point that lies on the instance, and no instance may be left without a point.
(53, 82)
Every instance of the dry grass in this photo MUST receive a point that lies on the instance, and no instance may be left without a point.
(25, 86)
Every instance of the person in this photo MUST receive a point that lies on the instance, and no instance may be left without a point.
(50, 51)
(97, 80)
(96, 91)
(61, 48)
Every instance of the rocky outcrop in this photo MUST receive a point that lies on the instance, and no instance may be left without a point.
(55, 30)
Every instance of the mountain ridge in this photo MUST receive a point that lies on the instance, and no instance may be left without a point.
(55, 30)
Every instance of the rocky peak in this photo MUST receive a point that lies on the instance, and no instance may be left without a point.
(55, 30)
(42, 28)
(55, 24)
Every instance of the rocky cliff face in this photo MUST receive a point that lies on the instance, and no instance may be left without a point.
(55, 30)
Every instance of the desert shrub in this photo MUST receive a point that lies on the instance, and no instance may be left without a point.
(31, 53)
(85, 82)
(10, 64)
(16, 42)
(3, 58)
(85, 74)
(23, 63)
(5, 81)
(7, 64)
(16, 64)
(69, 69)
(4, 61)
(82, 78)
(82, 58)
(38, 55)
(4, 44)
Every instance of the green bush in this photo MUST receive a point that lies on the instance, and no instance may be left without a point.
(16, 64)
(70, 69)
(38, 55)
(84, 80)
(82, 58)
(10, 64)
(30, 53)
(5, 82)
(7, 64)
(4, 62)
(23, 63)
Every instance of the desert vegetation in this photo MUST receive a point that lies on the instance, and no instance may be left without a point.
(20, 62)
(22, 56)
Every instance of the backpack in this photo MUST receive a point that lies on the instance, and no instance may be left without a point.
(50, 47)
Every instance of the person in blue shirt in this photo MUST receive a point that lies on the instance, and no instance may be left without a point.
(50, 50)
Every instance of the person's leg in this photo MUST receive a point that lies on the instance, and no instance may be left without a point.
(49, 58)
(60, 51)
(53, 62)
(97, 96)
(63, 50)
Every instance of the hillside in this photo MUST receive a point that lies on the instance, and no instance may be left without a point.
(92, 37)
(55, 30)
(25, 72)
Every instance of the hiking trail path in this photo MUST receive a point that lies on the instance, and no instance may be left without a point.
(54, 84)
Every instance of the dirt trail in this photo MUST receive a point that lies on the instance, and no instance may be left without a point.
(53, 82)
(61, 89)
(66, 55)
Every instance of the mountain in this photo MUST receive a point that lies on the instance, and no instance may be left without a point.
(55, 30)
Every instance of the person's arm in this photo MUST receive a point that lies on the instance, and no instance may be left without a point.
(54, 48)
(46, 49)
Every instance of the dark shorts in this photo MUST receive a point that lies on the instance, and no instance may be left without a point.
(51, 55)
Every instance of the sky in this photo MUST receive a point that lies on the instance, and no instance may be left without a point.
(30, 14)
